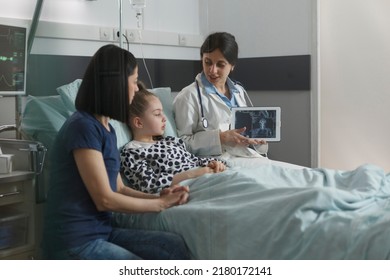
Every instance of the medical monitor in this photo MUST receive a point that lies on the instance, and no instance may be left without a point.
(13, 60)
(260, 122)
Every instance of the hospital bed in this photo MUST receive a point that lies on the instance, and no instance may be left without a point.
(255, 210)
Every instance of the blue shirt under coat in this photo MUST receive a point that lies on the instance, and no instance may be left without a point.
(211, 89)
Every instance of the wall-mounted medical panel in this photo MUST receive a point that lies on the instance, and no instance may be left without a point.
(274, 73)
(56, 30)
(286, 73)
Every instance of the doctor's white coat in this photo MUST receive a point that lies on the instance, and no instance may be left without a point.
(187, 111)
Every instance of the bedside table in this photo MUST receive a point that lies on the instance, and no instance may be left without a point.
(17, 215)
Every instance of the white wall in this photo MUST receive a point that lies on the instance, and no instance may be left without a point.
(355, 84)
(262, 27)
(81, 20)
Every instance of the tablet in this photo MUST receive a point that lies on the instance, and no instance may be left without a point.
(260, 122)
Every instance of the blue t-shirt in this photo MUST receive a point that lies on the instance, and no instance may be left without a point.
(71, 217)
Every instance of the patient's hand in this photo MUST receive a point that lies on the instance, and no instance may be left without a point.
(212, 167)
(217, 166)
(176, 188)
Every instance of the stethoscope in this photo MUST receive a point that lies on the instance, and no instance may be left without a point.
(204, 120)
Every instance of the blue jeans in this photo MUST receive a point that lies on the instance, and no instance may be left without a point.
(128, 244)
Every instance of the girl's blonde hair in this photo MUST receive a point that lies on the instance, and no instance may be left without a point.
(140, 101)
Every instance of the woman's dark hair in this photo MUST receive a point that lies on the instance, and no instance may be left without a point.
(105, 89)
(140, 101)
(223, 41)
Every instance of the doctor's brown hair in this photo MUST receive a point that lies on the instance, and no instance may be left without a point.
(223, 41)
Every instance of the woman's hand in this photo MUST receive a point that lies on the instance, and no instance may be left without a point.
(174, 195)
(234, 137)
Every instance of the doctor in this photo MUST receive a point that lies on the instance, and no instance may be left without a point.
(203, 109)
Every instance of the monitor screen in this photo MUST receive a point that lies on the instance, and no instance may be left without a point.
(13, 60)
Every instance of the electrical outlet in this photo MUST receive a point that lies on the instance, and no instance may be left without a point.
(106, 34)
(138, 4)
(182, 40)
(116, 34)
(131, 35)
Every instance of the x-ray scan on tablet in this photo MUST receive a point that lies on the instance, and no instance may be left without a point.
(260, 122)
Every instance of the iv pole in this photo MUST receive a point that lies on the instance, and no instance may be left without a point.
(120, 3)
(31, 36)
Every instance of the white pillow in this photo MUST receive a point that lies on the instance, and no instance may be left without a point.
(165, 96)
(123, 133)
(68, 94)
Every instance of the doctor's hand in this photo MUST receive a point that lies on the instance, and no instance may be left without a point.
(234, 137)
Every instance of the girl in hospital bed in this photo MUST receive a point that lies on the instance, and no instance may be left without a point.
(330, 214)
(151, 162)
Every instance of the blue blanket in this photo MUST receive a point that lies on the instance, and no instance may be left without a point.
(273, 212)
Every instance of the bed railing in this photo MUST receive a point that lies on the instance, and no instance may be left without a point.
(7, 127)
